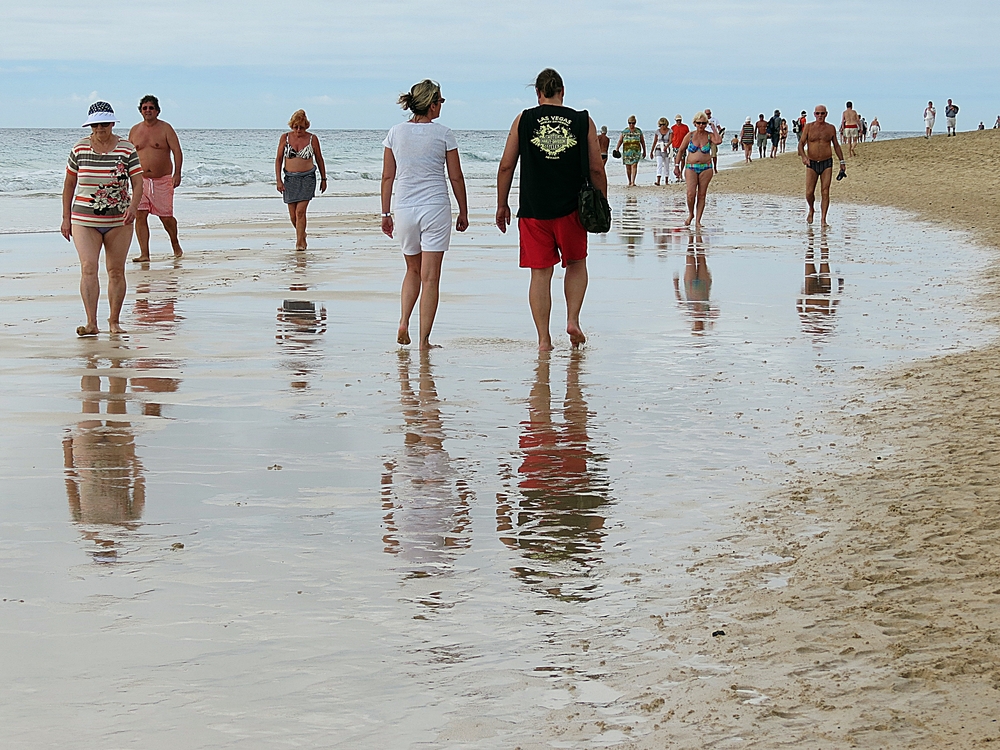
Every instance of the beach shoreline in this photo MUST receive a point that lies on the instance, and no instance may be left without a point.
(874, 623)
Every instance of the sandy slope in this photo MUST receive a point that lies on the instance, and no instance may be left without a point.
(887, 633)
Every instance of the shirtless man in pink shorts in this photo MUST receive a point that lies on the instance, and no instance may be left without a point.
(156, 141)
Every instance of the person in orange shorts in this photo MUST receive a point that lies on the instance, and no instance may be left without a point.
(156, 142)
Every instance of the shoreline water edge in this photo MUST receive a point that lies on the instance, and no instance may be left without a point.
(856, 605)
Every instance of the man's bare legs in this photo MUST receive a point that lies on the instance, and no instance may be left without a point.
(824, 182)
(170, 225)
(422, 280)
(811, 179)
(142, 235)
(297, 215)
(88, 242)
(540, 301)
(575, 288)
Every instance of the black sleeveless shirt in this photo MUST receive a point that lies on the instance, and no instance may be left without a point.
(550, 140)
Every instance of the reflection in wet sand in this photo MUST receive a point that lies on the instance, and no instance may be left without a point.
(426, 502)
(819, 300)
(300, 325)
(554, 517)
(156, 308)
(104, 476)
(697, 287)
(631, 226)
(155, 304)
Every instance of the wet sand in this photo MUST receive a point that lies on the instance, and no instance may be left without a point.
(252, 522)
(875, 622)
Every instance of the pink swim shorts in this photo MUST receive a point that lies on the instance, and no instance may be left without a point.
(158, 195)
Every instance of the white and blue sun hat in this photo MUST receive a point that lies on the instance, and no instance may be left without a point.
(100, 112)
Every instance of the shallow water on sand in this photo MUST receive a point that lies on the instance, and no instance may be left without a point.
(389, 549)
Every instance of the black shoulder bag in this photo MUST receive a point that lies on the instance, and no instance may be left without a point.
(595, 213)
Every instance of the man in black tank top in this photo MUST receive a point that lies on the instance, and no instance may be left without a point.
(548, 140)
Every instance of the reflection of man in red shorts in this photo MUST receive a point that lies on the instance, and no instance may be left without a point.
(156, 142)
(548, 140)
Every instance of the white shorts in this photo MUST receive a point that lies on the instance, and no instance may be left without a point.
(423, 228)
(951, 122)
(929, 122)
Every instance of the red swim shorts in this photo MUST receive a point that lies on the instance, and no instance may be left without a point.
(544, 242)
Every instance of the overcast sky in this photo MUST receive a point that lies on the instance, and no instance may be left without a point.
(218, 63)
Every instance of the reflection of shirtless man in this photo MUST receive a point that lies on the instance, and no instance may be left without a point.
(156, 141)
(850, 128)
(816, 147)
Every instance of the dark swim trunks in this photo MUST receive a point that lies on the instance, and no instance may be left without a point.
(819, 167)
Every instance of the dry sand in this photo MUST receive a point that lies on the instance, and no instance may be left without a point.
(877, 623)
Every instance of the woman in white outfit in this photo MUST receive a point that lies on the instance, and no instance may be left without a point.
(661, 150)
(929, 114)
(417, 153)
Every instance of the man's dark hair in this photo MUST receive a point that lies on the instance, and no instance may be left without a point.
(549, 83)
(149, 99)
(850, 105)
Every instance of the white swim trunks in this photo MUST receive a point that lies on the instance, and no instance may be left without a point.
(423, 228)
(951, 122)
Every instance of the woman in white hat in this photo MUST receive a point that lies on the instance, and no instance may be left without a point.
(99, 212)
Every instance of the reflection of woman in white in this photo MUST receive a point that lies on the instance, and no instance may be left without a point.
(929, 114)
(417, 152)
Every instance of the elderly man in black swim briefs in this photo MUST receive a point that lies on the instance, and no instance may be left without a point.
(817, 143)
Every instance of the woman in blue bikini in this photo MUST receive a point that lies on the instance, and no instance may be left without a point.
(696, 151)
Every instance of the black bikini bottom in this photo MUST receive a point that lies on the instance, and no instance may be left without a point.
(819, 167)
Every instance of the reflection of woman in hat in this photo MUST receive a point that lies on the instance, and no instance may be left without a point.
(98, 211)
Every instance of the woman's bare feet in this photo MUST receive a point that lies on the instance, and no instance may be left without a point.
(115, 328)
(84, 331)
(427, 345)
(402, 336)
(688, 220)
(576, 336)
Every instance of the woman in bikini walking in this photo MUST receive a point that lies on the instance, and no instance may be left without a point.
(696, 151)
(298, 156)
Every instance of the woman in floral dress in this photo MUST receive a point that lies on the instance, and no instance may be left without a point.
(633, 146)
(99, 212)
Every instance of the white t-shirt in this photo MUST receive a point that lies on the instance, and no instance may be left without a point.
(419, 149)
